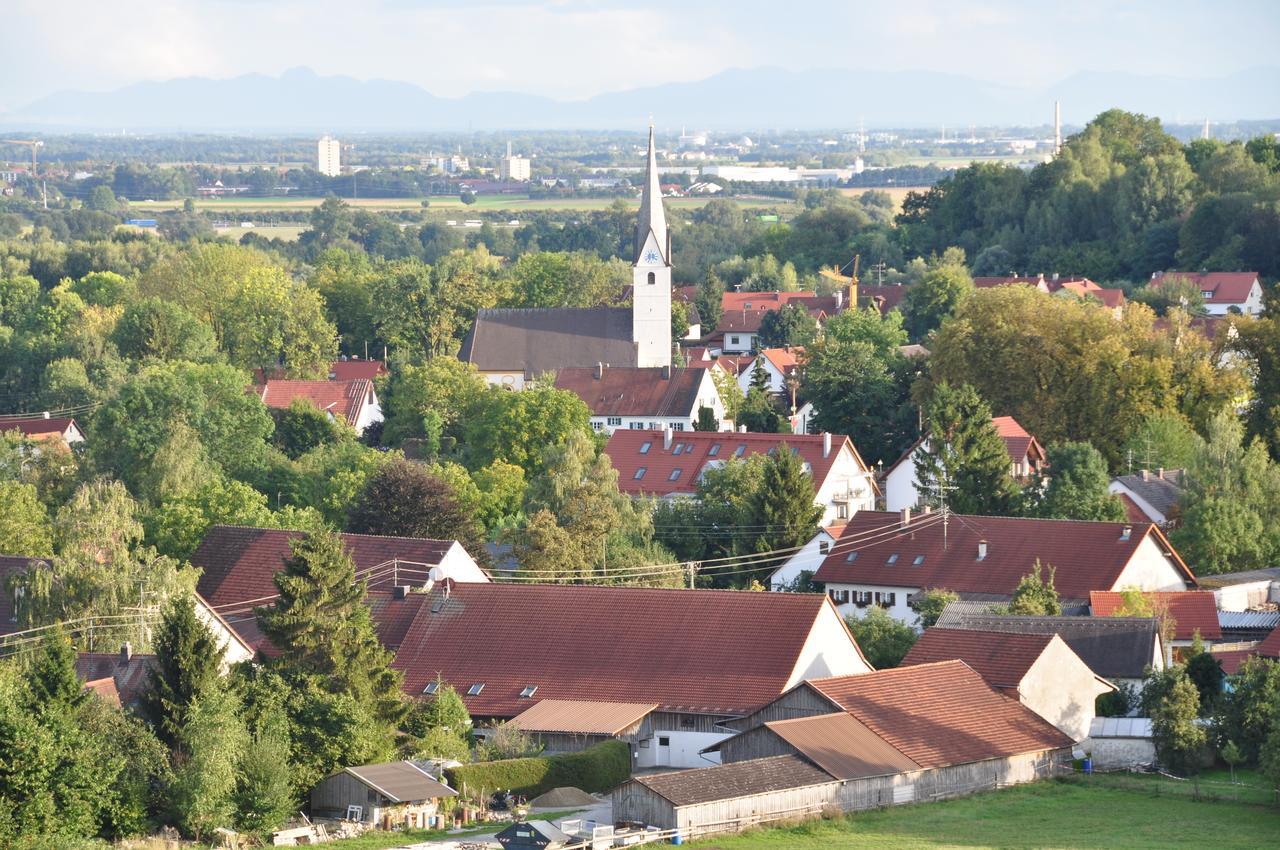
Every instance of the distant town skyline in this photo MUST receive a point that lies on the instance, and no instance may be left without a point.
(580, 48)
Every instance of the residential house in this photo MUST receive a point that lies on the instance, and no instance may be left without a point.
(780, 365)
(1038, 670)
(883, 297)
(1080, 287)
(1026, 462)
(806, 560)
(648, 398)
(701, 656)
(511, 347)
(1185, 614)
(395, 795)
(43, 428)
(884, 558)
(239, 565)
(1223, 292)
(855, 743)
(1150, 496)
(356, 402)
(742, 313)
(119, 678)
(354, 369)
(1120, 649)
(670, 465)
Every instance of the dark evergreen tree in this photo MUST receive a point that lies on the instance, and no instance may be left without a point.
(706, 420)
(788, 325)
(965, 454)
(710, 302)
(188, 663)
(55, 687)
(323, 629)
(784, 510)
(759, 376)
(403, 499)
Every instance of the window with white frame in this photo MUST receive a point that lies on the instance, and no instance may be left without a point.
(614, 420)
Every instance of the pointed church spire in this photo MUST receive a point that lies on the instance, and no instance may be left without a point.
(653, 218)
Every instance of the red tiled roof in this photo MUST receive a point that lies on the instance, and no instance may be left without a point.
(1002, 659)
(1089, 289)
(336, 397)
(1088, 556)
(1225, 287)
(127, 678)
(352, 370)
(627, 449)
(1270, 645)
(37, 428)
(740, 321)
(941, 714)
(1016, 439)
(1192, 611)
(713, 651)
(1231, 659)
(765, 302)
(635, 391)
(885, 298)
(785, 360)
(1131, 509)
(239, 563)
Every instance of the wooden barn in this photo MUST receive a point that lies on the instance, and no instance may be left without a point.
(569, 726)
(387, 795)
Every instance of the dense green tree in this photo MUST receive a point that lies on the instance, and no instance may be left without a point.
(1177, 735)
(1077, 486)
(24, 521)
(55, 686)
(1035, 594)
(323, 630)
(515, 427)
(709, 300)
(782, 506)
(264, 797)
(929, 604)
(188, 665)
(1247, 711)
(1259, 342)
(964, 453)
(439, 725)
(1205, 672)
(944, 286)
(154, 327)
(883, 640)
(1162, 441)
(302, 426)
(270, 320)
(789, 325)
(403, 499)
(210, 746)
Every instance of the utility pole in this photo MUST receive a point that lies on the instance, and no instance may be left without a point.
(33, 144)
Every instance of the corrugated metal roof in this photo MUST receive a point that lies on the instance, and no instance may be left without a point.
(842, 746)
(581, 717)
(1249, 619)
(401, 781)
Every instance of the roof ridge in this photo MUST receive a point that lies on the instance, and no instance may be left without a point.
(340, 533)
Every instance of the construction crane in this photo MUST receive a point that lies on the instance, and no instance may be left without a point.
(33, 144)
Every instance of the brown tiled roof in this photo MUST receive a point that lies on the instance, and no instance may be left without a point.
(1002, 659)
(627, 449)
(635, 391)
(884, 298)
(336, 397)
(582, 717)
(1226, 287)
(941, 714)
(354, 369)
(842, 746)
(710, 651)
(239, 563)
(731, 781)
(764, 302)
(401, 781)
(543, 340)
(128, 678)
(1270, 645)
(37, 428)
(10, 565)
(1087, 556)
(1016, 439)
(1231, 659)
(1192, 611)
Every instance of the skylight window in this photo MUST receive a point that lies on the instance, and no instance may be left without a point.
(675, 474)
(474, 690)
(851, 557)
(715, 450)
(919, 559)
(740, 450)
(431, 688)
(645, 446)
(678, 448)
(640, 473)
(529, 690)
(893, 559)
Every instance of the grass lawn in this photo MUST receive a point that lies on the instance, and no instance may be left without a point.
(507, 203)
(1056, 815)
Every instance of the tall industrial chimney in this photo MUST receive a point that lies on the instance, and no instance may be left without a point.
(1057, 127)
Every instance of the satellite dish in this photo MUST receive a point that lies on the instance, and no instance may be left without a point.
(436, 574)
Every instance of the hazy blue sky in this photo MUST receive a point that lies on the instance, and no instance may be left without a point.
(576, 48)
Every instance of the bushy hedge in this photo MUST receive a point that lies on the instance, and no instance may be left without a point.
(596, 769)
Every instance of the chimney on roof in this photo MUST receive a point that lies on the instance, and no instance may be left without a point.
(1160, 473)
(826, 444)
(666, 372)
(982, 550)
(667, 433)
(126, 652)
(1055, 276)
(599, 371)
(1126, 532)
(400, 591)
(1146, 475)
(742, 429)
(45, 414)
(906, 517)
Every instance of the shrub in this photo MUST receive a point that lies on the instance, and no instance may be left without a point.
(596, 769)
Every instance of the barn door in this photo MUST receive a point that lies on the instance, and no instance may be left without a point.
(664, 751)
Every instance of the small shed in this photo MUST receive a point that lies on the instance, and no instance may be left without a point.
(534, 835)
(1120, 742)
(568, 725)
(388, 795)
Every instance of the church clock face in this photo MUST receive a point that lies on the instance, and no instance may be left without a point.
(651, 256)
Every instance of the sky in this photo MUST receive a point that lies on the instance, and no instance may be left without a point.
(573, 49)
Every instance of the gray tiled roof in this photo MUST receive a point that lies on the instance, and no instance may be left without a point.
(544, 340)
(1162, 494)
(1114, 647)
(1242, 577)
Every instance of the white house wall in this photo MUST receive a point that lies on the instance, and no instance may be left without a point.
(828, 651)
(1062, 689)
(458, 565)
(685, 749)
(900, 487)
(810, 557)
(1150, 569)
(846, 476)
(899, 610)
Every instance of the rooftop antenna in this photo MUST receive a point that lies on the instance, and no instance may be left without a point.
(943, 488)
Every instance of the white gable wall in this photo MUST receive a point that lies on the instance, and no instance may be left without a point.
(847, 488)
(1150, 569)
(830, 650)
(900, 486)
(810, 557)
(1061, 688)
(458, 565)
(1118, 488)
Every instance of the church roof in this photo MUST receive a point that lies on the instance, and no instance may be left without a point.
(544, 340)
(652, 218)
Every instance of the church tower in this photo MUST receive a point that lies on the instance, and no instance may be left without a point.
(651, 274)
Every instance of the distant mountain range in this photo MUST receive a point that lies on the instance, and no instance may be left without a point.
(766, 98)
